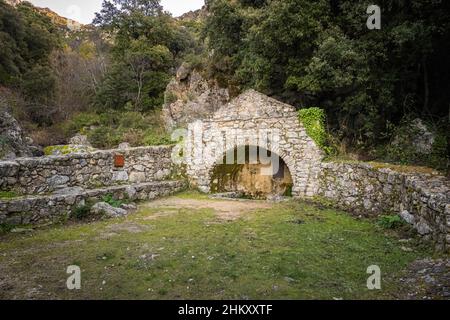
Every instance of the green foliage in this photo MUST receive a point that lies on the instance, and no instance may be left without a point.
(138, 79)
(82, 212)
(147, 44)
(390, 222)
(109, 199)
(27, 38)
(314, 121)
(5, 228)
(152, 139)
(321, 53)
(108, 129)
(8, 194)
(64, 149)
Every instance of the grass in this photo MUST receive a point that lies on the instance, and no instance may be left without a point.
(291, 250)
(5, 195)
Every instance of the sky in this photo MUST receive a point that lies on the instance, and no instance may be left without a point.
(84, 10)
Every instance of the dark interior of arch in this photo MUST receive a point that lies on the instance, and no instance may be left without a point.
(251, 180)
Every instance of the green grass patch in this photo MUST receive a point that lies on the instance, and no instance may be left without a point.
(291, 250)
(4, 195)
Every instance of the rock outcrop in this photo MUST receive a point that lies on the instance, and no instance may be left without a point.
(13, 142)
(103, 208)
(190, 97)
(415, 136)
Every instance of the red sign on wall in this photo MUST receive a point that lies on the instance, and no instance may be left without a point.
(119, 161)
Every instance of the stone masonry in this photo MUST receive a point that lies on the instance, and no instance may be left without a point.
(50, 189)
(247, 116)
(38, 210)
(86, 170)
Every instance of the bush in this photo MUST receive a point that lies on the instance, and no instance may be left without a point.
(81, 121)
(314, 121)
(109, 199)
(82, 212)
(108, 129)
(154, 139)
(104, 137)
(390, 222)
(8, 194)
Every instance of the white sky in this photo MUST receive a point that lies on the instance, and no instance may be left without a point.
(84, 10)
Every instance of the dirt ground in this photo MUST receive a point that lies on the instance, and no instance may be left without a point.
(228, 210)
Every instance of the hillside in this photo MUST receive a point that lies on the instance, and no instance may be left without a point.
(58, 20)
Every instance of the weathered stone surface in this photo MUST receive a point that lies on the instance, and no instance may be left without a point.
(50, 208)
(417, 135)
(129, 207)
(137, 177)
(13, 142)
(245, 121)
(68, 191)
(80, 140)
(409, 218)
(57, 181)
(120, 176)
(124, 145)
(189, 97)
(85, 170)
(423, 228)
(103, 208)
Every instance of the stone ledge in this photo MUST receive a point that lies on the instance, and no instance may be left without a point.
(37, 210)
(86, 170)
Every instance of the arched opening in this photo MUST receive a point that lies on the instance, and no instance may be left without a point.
(261, 174)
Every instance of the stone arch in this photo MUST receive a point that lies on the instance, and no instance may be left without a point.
(253, 114)
(284, 160)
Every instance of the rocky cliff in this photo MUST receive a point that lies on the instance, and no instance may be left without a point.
(190, 97)
(13, 142)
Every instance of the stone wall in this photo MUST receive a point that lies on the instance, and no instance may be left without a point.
(423, 200)
(38, 210)
(86, 170)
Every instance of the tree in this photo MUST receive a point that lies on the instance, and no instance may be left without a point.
(146, 44)
(321, 53)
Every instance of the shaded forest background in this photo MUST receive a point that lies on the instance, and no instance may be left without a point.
(107, 80)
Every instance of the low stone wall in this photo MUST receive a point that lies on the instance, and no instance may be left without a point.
(86, 170)
(37, 210)
(422, 200)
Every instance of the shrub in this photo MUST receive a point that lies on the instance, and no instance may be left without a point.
(390, 222)
(108, 129)
(314, 121)
(4, 228)
(152, 138)
(109, 199)
(82, 121)
(7, 194)
(82, 212)
(104, 137)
